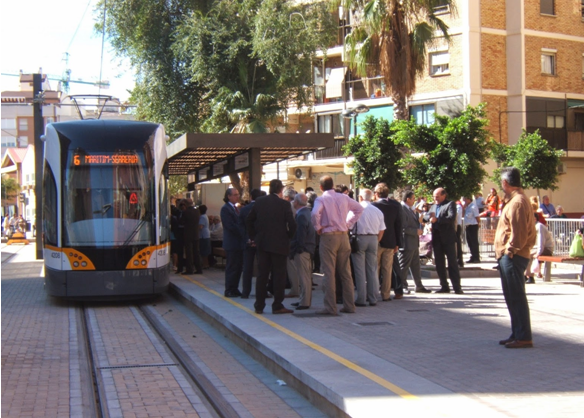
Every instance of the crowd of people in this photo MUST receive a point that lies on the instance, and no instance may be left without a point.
(363, 248)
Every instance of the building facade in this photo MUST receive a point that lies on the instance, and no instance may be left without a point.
(523, 58)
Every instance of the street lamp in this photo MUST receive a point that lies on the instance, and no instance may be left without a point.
(353, 112)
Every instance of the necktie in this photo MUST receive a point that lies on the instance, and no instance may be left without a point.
(236, 210)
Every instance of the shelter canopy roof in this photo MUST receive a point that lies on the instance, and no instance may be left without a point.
(192, 152)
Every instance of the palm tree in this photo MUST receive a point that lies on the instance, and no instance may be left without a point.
(395, 35)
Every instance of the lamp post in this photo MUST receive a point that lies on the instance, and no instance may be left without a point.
(352, 113)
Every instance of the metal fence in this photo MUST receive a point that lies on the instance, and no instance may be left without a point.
(562, 231)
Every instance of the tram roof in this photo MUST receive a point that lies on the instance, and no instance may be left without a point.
(192, 152)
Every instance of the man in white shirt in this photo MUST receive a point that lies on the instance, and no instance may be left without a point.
(369, 230)
(471, 225)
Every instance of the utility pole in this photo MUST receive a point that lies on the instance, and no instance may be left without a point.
(37, 91)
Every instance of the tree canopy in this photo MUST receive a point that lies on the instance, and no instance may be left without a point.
(376, 156)
(535, 158)
(217, 65)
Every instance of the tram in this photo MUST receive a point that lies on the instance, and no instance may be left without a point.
(106, 229)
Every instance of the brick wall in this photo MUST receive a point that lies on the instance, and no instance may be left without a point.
(568, 65)
(493, 62)
(428, 84)
(495, 105)
(567, 19)
(493, 14)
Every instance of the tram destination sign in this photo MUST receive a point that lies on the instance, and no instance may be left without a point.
(105, 159)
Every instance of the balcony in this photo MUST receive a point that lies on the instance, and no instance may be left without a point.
(361, 89)
(575, 141)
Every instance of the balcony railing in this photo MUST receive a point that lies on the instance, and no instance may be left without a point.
(334, 152)
(575, 141)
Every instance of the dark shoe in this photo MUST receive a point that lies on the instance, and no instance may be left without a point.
(325, 312)
(386, 300)
(459, 292)
(344, 310)
(189, 272)
(372, 304)
(508, 340)
(442, 290)
(495, 267)
(232, 294)
(361, 305)
(301, 308)
(519, 344)
(198, 272)
(422, 290)
(398, 297)
(245, 296)
(461, 265)
(530, 280)
(282, 311)
(295, 304)
(259, 312)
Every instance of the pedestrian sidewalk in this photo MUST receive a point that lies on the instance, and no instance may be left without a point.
(423, 355)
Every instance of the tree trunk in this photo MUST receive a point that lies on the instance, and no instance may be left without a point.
(400, 108)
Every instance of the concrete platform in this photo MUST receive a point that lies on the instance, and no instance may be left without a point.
(424, 355)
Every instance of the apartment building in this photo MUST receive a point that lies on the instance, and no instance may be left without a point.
(523, 58)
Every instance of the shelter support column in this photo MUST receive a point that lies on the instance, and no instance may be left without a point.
(255, 169)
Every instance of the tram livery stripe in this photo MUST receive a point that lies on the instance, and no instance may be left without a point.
(347, 363)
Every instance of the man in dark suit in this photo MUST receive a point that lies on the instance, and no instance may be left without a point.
(409, 252)
(233, 242)
(250, 248)
(442, 216)
(190, 219)
(390, 242)
(270, 224)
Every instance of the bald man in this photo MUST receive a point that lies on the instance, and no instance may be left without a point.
(442, 216)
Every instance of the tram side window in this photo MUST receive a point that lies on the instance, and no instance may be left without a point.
(50, 200)
(164, 208)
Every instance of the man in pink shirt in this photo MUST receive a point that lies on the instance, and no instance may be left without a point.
(332, 217)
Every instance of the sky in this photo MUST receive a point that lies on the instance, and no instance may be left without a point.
(37, 34)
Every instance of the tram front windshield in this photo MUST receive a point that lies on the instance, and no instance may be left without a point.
(107, 199)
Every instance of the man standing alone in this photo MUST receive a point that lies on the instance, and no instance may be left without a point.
(270, 224)
(471, 223)
(514, 238)
(332, 217)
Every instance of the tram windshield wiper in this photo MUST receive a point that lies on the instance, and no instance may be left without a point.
(103, 209)
(135, 231)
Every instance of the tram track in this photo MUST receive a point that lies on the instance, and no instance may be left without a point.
(122, 383)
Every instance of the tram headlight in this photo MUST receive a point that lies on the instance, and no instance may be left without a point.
(83, 264)
(76, 264)
(136, 262)
(143, 262)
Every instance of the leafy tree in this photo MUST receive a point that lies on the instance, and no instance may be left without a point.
(535, 158)
(395, 35)
(217, 65)
(449, 154)
(376, 156)
(10, 188)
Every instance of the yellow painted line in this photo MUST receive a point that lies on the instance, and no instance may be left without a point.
(347, 363)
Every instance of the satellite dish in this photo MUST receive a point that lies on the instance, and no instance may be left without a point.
(298, 173)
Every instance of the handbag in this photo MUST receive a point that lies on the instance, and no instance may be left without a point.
(354, 240)
(576, 249)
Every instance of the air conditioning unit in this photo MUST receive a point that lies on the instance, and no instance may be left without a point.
(562, 168)
(298, 173)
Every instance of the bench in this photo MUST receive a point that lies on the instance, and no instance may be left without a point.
(549, 259)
